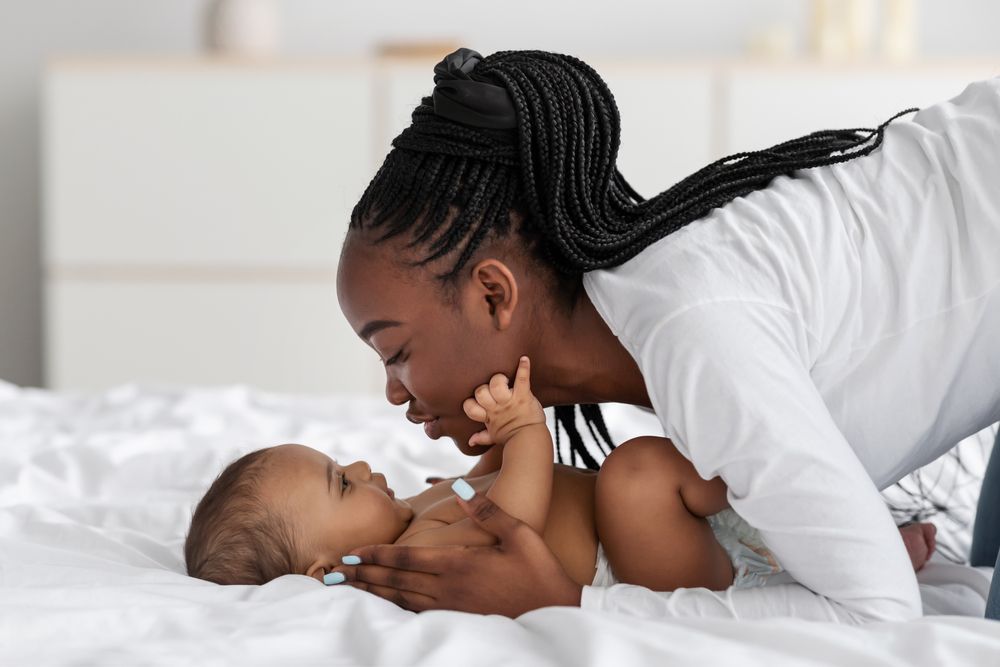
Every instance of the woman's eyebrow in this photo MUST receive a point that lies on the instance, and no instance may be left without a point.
(375, 326)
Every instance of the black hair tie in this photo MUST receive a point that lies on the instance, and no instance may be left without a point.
(472, 101)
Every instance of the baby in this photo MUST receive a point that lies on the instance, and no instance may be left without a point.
(292, 509)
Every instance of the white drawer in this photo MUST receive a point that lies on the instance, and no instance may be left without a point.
(280, 336)
(209, 164)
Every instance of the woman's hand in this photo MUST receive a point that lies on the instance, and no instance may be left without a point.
(518, 574)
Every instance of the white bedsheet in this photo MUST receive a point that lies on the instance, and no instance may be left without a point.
(95, 497)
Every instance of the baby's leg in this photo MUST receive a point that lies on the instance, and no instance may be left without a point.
(650, 536)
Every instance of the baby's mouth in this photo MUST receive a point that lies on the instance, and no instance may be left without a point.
(385, 485)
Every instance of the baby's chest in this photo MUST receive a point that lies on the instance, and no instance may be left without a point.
(439, 504)
(446, 510)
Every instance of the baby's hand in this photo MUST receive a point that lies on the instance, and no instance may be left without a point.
(503, 410)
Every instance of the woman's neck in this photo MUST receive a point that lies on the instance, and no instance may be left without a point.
(577, 359)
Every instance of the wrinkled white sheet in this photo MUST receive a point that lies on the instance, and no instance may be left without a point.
(95, 497)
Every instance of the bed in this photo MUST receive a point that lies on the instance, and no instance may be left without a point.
(96, 492)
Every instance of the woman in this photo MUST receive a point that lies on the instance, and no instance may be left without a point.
(810, 322)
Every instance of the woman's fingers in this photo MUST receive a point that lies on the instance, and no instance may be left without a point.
(405, 579)
(428, 560)
(490, 517)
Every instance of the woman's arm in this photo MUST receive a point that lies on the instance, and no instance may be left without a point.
(733, 378)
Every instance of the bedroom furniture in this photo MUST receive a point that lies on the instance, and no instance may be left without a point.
(194, 208)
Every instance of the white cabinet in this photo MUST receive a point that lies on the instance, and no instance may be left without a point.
(194, 210)
(194, 215)
(766, 106)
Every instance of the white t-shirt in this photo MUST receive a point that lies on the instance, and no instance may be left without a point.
(815, 341)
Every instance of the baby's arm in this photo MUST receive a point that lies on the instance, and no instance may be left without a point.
(515, 421)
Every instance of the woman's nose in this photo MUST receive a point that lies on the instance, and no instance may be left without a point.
(395, 392)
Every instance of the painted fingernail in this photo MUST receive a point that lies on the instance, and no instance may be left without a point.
(331, 578)
(462, 489)
(351, 560)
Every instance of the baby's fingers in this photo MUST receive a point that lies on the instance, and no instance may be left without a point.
(480, 439)
(500, 387)
(483, 396)
(474, 411)
(522, 380)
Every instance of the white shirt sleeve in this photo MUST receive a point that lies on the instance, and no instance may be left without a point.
(730, 383)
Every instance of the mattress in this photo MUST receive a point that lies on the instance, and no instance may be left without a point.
(96, 492)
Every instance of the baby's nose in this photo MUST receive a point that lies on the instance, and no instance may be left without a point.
(365, 469)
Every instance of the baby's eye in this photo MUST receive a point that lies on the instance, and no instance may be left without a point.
(343, 481)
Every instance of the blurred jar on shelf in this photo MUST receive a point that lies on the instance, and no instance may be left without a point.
(242, 27)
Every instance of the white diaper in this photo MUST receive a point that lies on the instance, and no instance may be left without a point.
(603, 576)
(752, 561)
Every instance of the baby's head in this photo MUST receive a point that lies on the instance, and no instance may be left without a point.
(289, 509)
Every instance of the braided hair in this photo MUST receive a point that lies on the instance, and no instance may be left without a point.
(450, 185)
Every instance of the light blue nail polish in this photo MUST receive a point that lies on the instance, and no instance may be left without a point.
(351, 560)
(462, 489)
(331, 578)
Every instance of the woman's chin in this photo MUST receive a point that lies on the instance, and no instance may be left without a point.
(469, 450)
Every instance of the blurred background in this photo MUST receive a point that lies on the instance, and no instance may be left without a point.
(176, 175)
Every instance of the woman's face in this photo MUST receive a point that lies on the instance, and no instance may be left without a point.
(435, 350)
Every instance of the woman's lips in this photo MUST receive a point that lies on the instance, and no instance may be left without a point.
(432, 428)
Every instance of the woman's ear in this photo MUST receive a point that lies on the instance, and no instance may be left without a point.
(495, 290)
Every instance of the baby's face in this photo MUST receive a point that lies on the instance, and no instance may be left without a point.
(332, 508)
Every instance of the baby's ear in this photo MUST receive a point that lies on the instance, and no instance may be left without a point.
(319, 567)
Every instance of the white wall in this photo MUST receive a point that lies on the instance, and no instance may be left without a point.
(32, 30)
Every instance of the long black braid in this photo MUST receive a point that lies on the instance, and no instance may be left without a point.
(449, 186)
